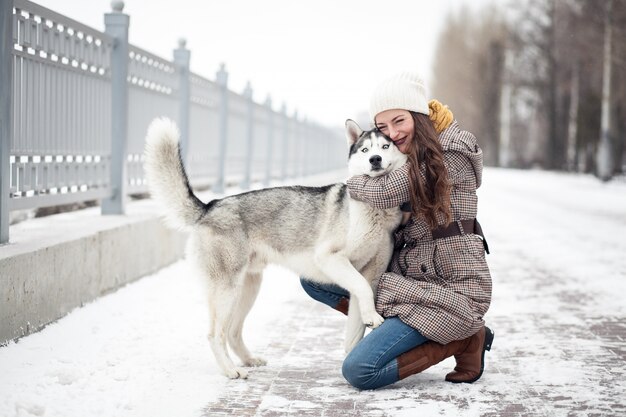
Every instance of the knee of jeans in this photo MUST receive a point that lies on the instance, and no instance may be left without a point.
(309, 287)
(358, 373)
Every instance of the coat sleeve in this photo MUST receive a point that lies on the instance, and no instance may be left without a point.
(382, 192)
(458, 166)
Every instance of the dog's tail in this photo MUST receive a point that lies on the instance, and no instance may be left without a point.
(167, 179)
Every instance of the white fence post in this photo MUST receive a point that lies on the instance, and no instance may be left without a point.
(306, 157)
(182, 57)
(247, 93)
(6, 109)
(285, 153)
(117, 26)
(222, 82)
(296, 144)
(330, 158)
(270, 142)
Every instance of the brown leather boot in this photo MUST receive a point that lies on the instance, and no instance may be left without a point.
(431, 353)
(426, 355)
(470, 362)
(343, 305)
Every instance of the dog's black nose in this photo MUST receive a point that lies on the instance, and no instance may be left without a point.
(376, 160)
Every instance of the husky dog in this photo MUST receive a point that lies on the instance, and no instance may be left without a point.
(317, 232)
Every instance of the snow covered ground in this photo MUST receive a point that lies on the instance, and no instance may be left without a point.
(559, 269)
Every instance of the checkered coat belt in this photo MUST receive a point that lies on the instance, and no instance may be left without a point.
(441, 287)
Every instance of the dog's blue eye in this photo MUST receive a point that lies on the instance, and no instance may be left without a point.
(364, 150)
(385, 146)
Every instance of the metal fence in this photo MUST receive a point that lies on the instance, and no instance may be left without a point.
(76, 103)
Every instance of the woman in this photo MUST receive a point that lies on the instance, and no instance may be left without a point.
(438, 287)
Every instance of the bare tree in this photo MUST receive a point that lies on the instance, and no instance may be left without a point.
(545, 63)
(605, 161)
(468, 72)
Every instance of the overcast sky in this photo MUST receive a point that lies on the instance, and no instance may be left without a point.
(321, 57)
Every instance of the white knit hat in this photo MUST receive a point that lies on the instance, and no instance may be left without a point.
(404, 91)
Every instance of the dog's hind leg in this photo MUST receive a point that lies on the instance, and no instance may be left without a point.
(250, 289)
(223, 300)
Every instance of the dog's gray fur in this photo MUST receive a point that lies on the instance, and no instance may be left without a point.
(318, 232)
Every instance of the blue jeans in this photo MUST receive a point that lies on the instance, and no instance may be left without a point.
(372, 363)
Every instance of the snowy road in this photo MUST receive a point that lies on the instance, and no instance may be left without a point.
(558, 261)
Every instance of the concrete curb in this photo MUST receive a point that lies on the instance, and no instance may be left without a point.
(57, 263)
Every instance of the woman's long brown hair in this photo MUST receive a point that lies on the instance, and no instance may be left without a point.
(430, 191)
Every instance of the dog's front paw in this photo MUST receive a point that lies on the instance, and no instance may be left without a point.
(255, 361)
(373, 320)
(237, 373)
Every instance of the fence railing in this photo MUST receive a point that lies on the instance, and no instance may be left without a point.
(76, 103)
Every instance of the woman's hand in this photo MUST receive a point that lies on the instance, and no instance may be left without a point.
(440, 115)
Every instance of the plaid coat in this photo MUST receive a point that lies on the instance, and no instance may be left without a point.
(440, 287)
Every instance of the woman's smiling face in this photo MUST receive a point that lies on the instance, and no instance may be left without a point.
(398, 125)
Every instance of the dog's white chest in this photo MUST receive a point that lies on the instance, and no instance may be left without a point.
(369, 228)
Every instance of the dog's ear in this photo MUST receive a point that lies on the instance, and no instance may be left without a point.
(353, 131)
